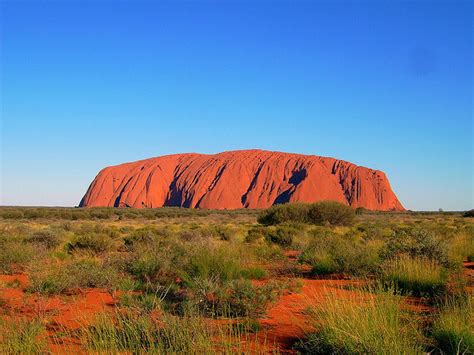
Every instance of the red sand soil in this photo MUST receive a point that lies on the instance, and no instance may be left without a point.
(468, 271)
(286, 322)
(58, 313)
(239, 179)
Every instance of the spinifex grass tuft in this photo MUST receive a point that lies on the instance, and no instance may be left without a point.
(21, 337)
(366, 322)
(416, 275)
(453, 329)
(128, 331)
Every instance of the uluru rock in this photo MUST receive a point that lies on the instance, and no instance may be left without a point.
(239, 179)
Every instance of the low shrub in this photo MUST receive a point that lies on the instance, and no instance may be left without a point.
(255, 234)
(360, 210)
(331, 212)
(243, 299)
(45, 238)
(322, 212)
(281, 235)
(48, 282)
(269, 252)
(469, 213)
(87, 273)
(93, 242)
(329, 253)
(416, 243)
(144, 235)
(288, 212)
(237, 298)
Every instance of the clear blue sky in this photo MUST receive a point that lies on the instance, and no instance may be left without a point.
(384, 84)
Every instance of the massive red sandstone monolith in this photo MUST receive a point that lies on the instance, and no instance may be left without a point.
(238, 179)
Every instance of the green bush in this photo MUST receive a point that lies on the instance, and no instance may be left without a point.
(244, 299)
(144, 235)
(288, 212)
(45, 238)
(416, 243)
(282, 235)
(87, 273)
(469, 213)
(329, 253)
(360, 210)
(91, 241)
(255, 234)
(331, 212)
(237, 298)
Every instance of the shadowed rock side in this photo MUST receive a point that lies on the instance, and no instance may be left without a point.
(237, 179)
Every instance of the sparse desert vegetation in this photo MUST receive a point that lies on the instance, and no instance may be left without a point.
(316, 278)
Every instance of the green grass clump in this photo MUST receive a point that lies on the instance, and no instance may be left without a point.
(369, 322)
(220, 264)
(329, 253)
(125, 331)
(21, 337)
(461, 248)
(254, 273)
(14, 255)
(453, 329)
(189, 334)
(81, 273)
(142, 303)
(416, 275)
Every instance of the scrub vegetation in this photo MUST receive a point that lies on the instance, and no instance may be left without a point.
(174, 280)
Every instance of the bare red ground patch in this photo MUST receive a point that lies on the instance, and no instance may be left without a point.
(286, 322)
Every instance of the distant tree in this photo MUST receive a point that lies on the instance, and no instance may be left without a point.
(469, 213)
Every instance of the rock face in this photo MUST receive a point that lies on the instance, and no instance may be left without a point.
(239, 179)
